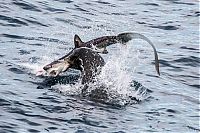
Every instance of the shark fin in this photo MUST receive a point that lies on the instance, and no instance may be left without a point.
(77, 41)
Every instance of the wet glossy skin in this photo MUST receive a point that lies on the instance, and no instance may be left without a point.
(83, 59)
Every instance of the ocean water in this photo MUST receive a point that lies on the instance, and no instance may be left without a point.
(36, 32)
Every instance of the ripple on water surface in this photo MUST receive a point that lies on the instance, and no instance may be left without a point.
(34, 33)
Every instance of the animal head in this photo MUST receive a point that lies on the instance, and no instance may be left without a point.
(63, 64)
(83, 59)
(67, 61)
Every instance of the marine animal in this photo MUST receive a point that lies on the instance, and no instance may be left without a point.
(85, 55)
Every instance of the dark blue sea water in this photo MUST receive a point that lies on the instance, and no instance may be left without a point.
(36, 32)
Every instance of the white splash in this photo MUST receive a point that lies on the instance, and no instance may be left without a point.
(115, 73)
(116, 76)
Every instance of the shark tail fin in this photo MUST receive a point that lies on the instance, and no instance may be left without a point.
(125, 37)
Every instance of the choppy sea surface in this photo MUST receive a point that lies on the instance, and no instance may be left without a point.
(36, 32)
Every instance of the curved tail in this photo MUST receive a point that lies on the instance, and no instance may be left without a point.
(125, 37)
